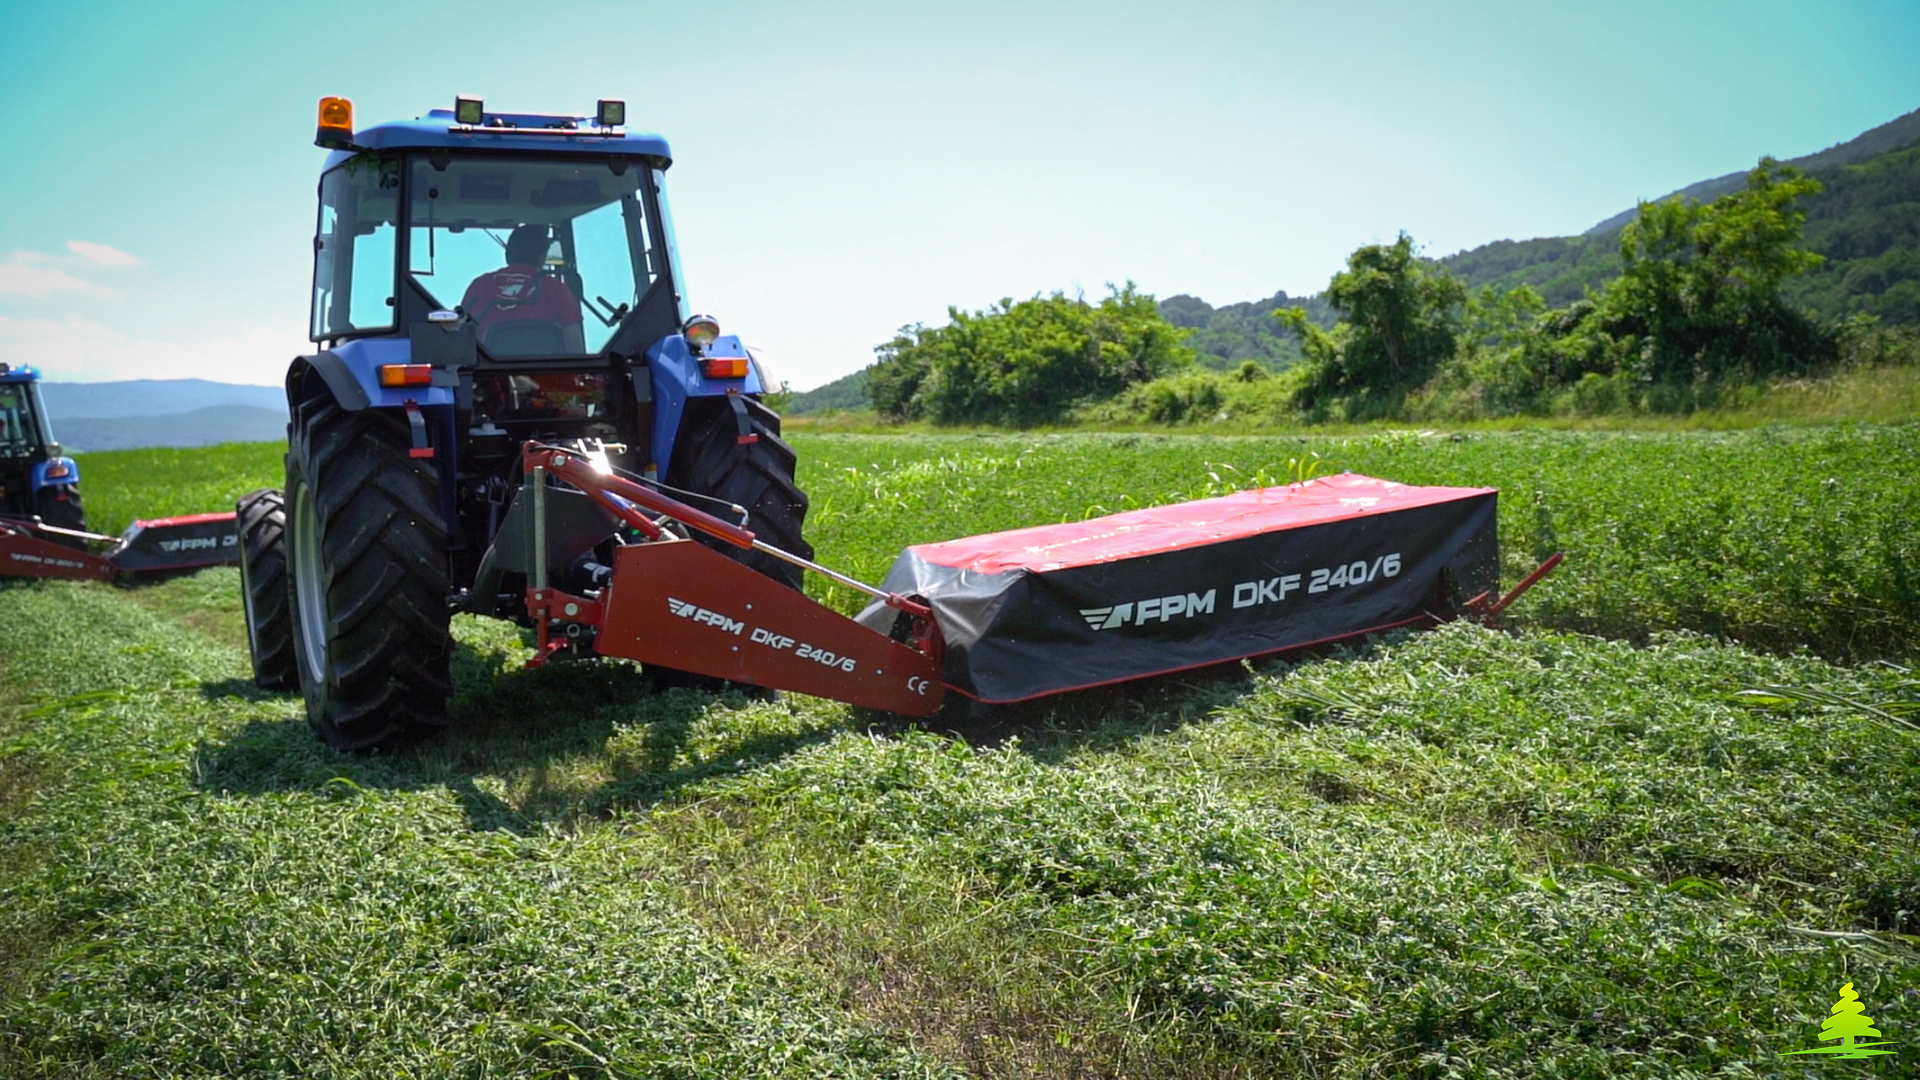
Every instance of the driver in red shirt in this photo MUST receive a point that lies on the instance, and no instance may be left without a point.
(523, 289)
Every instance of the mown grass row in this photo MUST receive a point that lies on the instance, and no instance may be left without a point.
(365, 923)
(1464, 851)
(1456, 853)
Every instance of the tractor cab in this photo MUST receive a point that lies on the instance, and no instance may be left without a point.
(36, 479)
(547, 258)
(528, 258)
(552, 256)
(485, 284)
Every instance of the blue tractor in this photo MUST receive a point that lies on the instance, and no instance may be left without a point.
(485, 282)
(36, 479)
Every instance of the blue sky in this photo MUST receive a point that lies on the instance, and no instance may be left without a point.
(845, 169)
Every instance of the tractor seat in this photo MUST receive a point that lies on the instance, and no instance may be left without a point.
(525, 337)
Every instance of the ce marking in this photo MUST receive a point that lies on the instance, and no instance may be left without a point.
(918, 685)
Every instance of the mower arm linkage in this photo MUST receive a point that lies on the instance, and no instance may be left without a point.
(22, 554)
(680, 604)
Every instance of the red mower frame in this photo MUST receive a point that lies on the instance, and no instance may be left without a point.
(676, 602)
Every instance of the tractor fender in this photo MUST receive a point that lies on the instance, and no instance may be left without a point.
(352, 377)
(352, 372)
(56, 472)
(677, 377)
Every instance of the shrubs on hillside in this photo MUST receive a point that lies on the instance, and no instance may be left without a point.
(1697, 317)
(1401, 319)
(1696, 311)
(1026, 362)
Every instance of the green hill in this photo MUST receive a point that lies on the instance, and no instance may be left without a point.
(845, 392)
(1866, 223)
(1892, 135)
(1226, 335)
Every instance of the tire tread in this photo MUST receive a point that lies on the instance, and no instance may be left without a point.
(384, 547)
(261, 518)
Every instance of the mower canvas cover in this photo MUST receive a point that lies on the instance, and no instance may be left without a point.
(1041, 610)
(178, 543)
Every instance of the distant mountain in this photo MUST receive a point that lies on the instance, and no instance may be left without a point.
(1866, 223)
(1891, 135)
(845, 392)
(1224, 336)
(153, 397)
(196, 427)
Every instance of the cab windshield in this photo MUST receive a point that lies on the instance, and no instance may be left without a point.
(546, 257)
(18, 436)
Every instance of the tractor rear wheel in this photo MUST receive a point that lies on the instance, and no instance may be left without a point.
(367, 551)
(62, 509)
(710, 459)
(262, 522)
(757, 475)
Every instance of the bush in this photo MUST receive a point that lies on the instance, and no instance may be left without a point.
(1402, 318)
(1200, 396)
(1025, 363)
(1597, 395)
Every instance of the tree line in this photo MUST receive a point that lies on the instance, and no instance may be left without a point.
(1701, 301)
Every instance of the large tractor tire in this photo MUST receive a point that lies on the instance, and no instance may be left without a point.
(367, 554)
(62, 509)
(262, 522)
(709, 458)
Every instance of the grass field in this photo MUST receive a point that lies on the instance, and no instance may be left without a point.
(1563, 850)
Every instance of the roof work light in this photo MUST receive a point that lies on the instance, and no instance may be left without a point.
(335, 131)
(468, 110)
(610, 113)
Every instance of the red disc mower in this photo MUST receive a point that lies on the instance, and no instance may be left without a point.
(1007, 616)
(30, 547)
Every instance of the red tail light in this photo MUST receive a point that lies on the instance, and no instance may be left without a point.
(406, 374)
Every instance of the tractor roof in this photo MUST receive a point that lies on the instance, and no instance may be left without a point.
(507, 131)
(17, 373)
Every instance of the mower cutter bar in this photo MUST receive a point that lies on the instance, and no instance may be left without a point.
(36, 525)
(1027, 613)
(156, 546)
